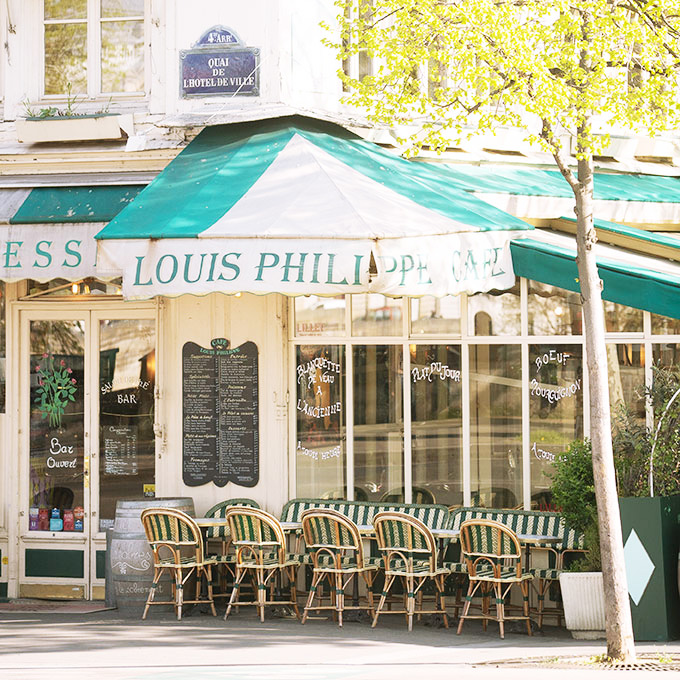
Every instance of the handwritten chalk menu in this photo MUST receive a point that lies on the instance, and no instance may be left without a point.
(120, 449)
(220, 414)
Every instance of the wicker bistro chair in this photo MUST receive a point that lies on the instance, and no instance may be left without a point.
(226, 557)
(261, 553)
(337, 554)
(493, 556)
(177, 546)
(409, 553)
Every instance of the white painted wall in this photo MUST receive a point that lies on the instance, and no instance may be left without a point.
(262, 320)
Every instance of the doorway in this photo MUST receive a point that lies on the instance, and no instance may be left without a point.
(87, 380)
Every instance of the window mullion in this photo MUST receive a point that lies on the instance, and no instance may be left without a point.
(94, 78)
(349, 418)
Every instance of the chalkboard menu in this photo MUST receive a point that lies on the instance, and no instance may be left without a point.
(220, 414)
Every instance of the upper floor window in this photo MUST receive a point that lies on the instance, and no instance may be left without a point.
(94, 47)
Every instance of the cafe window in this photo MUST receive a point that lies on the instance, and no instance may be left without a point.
(496, 425)
(553, 311)
(495, 313)
(320, 460)
(457, 400)
(94, 47)
(555, 411)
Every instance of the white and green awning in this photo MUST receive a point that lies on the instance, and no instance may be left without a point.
(635, 279)
(297, 207)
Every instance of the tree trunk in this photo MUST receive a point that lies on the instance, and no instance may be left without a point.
(619, 627)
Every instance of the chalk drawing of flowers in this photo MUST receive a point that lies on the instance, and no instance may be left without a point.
(56, 387)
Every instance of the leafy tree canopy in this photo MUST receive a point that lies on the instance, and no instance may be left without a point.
(544, 65)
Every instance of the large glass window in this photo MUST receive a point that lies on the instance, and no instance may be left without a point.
(622, 319)
(127, 382)
(626, 366)
(319, 316)
(435, 316)
(496, 425)
(94, 47)
(57, 426)
(553, 311)
(320, 418)
(556, 411)
(376, 315)
(495, 313)
(378, 422)
(436, 424)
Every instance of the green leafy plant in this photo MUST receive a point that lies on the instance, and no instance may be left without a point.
(573, 489)
(69, 111)
(56, 387)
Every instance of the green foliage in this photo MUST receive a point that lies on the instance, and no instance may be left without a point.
(547, 66)
(573, 489)
(69, 111)
(56, 388)
(633, 440)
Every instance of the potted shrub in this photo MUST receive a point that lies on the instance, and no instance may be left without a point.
(581, 585)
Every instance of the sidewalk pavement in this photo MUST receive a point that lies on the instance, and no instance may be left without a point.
(110, 644)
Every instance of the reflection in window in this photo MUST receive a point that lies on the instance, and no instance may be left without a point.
(496, 425)
(622, 319)
(436, 424)
(626, 366)
(665, 325)
(495, 313)
(435, 316)
(319, 316)
(376, 315)
(378, 421)
(57, 427)
(555, 411)
(553, 311)
(320, 422)
(127, 383)
(82, 38)
(666, 354)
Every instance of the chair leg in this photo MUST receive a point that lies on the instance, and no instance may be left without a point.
(439, 585)
(312, 592)
(207, 573)
(152, 590)
(369, 578)
(524, 585)
(233, 600)
(410, 600)
(386, 589)
(179, 597)
(261, 593)
(500, 608)
(339, 597)
(466, 607)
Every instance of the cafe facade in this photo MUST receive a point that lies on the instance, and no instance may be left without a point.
(288, 309)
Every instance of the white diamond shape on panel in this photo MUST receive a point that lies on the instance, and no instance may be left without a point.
(639, 566)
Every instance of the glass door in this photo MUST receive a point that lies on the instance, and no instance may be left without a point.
(88, 412)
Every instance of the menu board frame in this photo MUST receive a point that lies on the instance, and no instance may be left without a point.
(220, 414)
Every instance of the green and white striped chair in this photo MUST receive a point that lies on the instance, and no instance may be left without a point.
(494, 565)
(177, 546)
(337, 553)
(410, 554)
(220, 535)
(261, 553)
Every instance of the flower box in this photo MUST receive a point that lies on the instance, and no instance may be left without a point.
(583, 599)
(78, 128)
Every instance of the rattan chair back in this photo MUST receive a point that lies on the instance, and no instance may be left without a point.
(485, 543)
(256, 533)
(172, 530)
(220, 510)
(331, 533)
(405, 537)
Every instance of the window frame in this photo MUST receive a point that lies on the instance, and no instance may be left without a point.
(94, 21)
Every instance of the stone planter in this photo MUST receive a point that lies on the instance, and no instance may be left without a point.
(583, 598)
(74, 128)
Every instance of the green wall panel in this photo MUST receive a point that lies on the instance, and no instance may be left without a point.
(100, 563)
(55, 563)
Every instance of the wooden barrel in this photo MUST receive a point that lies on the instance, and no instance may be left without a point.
(130, 559)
